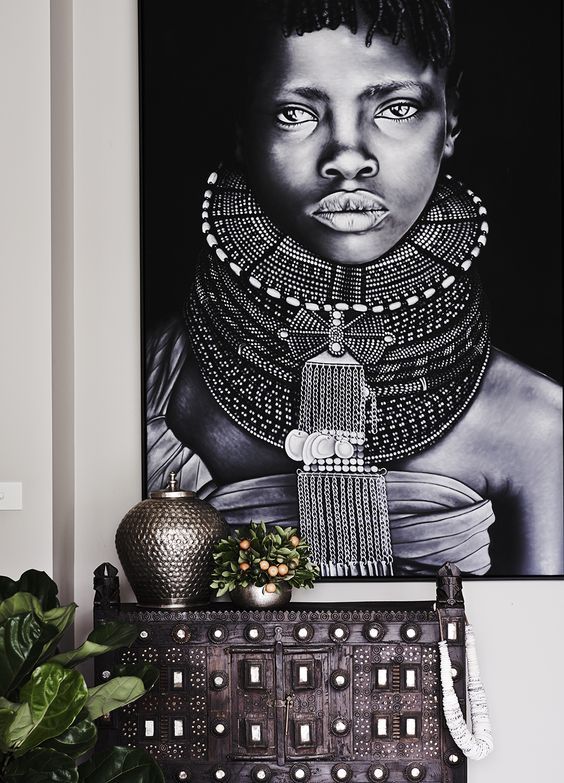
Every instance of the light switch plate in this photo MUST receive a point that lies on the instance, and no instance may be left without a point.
(10, 495)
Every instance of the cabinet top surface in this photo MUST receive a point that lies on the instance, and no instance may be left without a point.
(226, 606)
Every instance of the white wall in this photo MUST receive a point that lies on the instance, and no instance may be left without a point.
(107, 298)
(95, 352)
(63, 275)
(518, 628)
(25, 284)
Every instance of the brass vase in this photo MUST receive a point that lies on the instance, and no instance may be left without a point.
(165, 546)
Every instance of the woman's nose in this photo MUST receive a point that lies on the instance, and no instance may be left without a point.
(349, 163)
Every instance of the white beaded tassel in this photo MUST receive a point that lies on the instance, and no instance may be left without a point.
(478, 743)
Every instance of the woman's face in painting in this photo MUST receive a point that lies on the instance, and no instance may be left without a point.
(342, 142)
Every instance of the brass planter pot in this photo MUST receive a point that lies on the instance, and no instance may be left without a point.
(165, 546)
(253, 597)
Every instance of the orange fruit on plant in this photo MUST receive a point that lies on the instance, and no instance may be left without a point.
(283, 569)
(270, 587)
(264, 565)
(273, 570)
(244, 566)
(244, 543)
(295, 540)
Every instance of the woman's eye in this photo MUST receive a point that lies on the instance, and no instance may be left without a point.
(294, 116)
(398, 111)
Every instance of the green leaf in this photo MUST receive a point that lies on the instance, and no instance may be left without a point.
(19, 603)
(121, 765)
(22, 639)
(61, 617)
(52, 699)
(110, 636)
(76, 740)
(146, 672)
(5, 704)
(22, 602)
(7, 713)
(35, 582)
(42, 765)
(113, 694)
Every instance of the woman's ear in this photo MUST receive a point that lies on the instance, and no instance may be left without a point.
(453, 129)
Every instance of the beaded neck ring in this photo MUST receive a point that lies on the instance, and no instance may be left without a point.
(439, 248)
(346, 367)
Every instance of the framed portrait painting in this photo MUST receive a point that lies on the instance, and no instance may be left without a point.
(351, 244)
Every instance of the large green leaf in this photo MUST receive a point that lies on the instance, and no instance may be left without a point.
(42, 765)
(145, 671)
(51, 700)
(35, 582)
(113, 694)
(7, 713)
(20, 603)
(22, 639)
(76, 740)
(104, 638)
(121, 765)
(59, 617)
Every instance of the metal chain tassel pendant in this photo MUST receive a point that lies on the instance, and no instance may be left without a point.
(343, 505)
(332, 398)
(345, 519)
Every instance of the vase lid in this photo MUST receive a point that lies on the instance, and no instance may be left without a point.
(172, 490)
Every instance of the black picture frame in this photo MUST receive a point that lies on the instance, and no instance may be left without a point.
(509, 152)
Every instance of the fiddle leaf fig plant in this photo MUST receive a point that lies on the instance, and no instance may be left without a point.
(47, 711)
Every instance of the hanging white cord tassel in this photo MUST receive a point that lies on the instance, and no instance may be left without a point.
(478, 743)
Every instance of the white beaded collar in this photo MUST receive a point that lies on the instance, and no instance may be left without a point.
(440, 247)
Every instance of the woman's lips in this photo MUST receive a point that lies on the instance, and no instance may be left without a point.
(350, 211)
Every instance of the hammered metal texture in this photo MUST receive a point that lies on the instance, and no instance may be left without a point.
(165, 547)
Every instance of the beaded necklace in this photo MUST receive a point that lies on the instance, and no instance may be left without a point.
(346, 367)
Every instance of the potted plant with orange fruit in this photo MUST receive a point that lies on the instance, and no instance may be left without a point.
(258, 566)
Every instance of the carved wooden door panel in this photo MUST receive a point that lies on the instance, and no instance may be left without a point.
(254, 715)
(279, 706)
(305, 687)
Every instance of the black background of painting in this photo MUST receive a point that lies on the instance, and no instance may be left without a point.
(509, 152)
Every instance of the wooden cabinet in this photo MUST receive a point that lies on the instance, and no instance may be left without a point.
(326, 692)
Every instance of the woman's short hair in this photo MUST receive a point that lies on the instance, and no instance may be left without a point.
(244, 30)
(427, 24)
